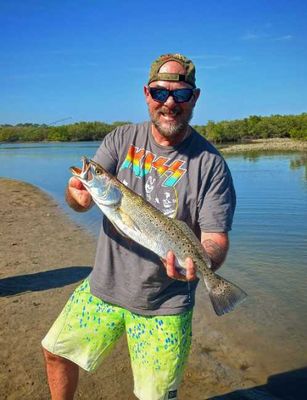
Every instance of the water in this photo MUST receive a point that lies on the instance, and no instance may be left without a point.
(268, 256)
(47, 166)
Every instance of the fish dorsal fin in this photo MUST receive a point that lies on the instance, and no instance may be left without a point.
(184, 227)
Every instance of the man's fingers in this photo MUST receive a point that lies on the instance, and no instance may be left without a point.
(173, 273)
(190, 269)
(82, 197)
(170, 265)
(75, 183)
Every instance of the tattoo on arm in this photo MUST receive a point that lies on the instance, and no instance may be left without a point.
(216, 253)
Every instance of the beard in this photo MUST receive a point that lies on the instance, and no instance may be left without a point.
(172, 129)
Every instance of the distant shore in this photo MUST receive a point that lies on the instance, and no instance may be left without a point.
(265, 145)
(250, 145)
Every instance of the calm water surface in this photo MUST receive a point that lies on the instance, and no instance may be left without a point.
(268, 256)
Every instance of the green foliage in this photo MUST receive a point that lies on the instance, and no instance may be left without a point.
(257, 127)
(80, 131)
(299, 128)
(253, 127)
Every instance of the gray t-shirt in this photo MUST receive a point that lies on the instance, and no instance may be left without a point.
(190, 182)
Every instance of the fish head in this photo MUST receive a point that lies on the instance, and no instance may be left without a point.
(98, 182)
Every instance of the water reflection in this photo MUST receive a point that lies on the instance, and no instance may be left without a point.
(300, 162)
(296, 160)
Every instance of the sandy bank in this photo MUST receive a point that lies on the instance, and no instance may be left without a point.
(266, 145)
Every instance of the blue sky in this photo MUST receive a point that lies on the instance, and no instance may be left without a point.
(71, 61)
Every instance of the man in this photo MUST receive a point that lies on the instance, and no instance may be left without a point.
(130, 289)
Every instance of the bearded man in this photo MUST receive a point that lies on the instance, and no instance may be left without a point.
(130, 289)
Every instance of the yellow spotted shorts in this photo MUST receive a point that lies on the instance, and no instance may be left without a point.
(88, 328)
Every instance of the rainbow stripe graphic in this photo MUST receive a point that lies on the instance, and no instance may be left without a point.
(142, 162)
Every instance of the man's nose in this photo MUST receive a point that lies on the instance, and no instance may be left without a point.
(170, 101)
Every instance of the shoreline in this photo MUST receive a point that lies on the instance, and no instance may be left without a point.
(265, 145)
(285, 145)
(44, 255)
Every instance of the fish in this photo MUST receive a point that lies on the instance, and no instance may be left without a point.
(137, 219)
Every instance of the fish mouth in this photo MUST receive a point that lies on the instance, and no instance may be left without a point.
(83, 174)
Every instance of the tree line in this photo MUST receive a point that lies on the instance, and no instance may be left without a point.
(235, 131)
(256, 127)
(80, 131)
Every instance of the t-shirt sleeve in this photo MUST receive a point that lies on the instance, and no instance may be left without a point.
(107, 155)
(217, 200)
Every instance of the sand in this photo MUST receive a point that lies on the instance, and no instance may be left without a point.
(44, 255)
(266, 146)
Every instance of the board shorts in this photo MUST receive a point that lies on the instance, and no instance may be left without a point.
(88, 328)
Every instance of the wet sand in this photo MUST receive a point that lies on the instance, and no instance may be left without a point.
(44, 256)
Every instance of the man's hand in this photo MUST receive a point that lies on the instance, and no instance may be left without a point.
(216, 246)
(172, 271)
(77, 196)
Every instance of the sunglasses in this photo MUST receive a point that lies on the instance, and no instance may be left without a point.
(179, 95)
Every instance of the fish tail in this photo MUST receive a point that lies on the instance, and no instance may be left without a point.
(225, 296)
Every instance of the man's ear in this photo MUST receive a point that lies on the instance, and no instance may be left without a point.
(146, 93)
(196, 95)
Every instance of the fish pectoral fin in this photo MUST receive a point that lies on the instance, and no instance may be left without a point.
(127, 221)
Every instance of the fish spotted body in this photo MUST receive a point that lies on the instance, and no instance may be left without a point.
(137, 219)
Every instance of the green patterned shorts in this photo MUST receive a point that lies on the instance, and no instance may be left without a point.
(88, 328)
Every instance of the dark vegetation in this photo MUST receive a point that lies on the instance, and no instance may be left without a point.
(235, 131)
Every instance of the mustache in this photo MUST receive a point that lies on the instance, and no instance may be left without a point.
(165, 110)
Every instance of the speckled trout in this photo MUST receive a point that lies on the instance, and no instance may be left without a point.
(137, 219)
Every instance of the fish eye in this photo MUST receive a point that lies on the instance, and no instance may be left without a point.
(98, 171)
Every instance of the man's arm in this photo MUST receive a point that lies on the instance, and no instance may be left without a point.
(216, 246)
(77, 197)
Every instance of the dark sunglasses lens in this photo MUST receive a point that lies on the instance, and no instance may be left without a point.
(159, 94)
(182, 95)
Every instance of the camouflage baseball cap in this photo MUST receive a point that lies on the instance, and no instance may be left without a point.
(188, 77)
